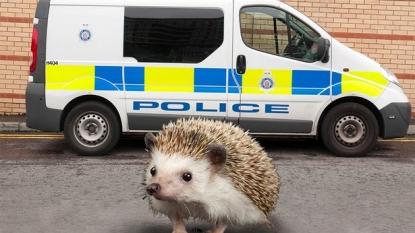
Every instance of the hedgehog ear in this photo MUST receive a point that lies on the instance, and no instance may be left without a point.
(150, 141)
(217, 156)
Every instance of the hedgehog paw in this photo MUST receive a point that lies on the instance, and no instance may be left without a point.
(268, 223)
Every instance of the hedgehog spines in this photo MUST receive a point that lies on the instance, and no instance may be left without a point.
(247, 164)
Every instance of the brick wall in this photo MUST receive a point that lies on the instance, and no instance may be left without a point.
(16, 17)
(382, 30)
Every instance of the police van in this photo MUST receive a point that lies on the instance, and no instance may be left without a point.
(101, 68)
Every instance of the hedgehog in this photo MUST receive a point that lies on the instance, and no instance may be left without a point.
(209, 170)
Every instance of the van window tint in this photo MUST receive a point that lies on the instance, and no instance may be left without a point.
(171, 34)
(274, 31)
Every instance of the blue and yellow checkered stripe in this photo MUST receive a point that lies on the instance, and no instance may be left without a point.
(210, 80)
(150, 79)
(84, 78)
(287, 82)
(156, 79)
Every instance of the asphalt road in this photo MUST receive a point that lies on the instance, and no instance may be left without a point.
(46, 188)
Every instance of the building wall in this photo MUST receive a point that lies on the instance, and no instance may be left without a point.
(16, 17)
(383, 30)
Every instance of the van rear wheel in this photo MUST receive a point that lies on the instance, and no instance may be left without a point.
(349, 129)
(92, 128)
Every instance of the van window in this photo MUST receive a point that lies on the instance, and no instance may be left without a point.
(276, 32)
(172, 34)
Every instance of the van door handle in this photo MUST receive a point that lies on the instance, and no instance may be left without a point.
(240, 64)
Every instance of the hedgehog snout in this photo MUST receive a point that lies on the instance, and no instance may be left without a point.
(153, 188)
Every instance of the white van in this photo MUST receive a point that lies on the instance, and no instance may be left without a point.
(106, 67)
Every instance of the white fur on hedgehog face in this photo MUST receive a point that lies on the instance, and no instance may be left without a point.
(169, 172)
(212, 191)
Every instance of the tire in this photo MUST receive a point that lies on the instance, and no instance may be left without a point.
(350, 130)
(92, 128)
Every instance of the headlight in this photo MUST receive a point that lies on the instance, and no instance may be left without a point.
(389, 75)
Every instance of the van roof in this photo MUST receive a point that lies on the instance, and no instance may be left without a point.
(128, 2)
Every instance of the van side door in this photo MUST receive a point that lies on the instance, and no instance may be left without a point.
(175, 61)
(282, 85)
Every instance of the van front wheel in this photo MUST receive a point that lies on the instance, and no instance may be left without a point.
(349, 129)
(92, 128)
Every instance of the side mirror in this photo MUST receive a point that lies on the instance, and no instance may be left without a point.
(323, 46)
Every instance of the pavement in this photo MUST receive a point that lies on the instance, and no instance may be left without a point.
(18, 124)
(14, 124)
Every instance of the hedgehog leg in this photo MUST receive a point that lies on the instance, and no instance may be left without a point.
(220, 227)
(178, 224)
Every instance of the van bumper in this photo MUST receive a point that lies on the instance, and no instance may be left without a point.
(396, 118)
(39, 116)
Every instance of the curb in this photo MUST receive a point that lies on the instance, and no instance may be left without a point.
(411, 130)
(15, 127)
(21, 127)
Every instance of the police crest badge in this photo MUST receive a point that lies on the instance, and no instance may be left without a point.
(85, 35)
(267, 82)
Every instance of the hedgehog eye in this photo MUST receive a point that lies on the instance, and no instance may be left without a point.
(187, 177)
(153, 171)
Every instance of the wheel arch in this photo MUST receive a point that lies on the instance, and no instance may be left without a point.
(86, 98)
(352, 99)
